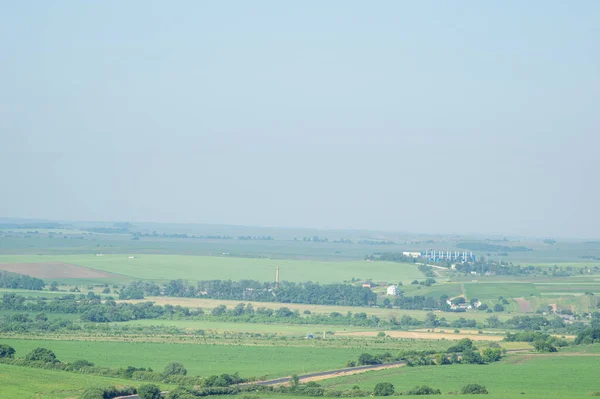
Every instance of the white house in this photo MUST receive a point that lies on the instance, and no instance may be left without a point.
(392, 290)
(412, 254)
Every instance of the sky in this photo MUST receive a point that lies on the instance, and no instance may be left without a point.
(424, 116)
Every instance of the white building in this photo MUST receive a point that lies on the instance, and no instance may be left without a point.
(412, 254)
(392, 290)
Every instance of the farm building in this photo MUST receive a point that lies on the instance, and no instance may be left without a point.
(392, 290)
(368, 284)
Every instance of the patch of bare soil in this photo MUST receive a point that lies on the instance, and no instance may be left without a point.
(524, 305)
(48, 270)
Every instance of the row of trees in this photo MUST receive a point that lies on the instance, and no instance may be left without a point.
(14, 280)
(252, 290)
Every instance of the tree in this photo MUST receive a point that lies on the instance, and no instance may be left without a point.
(54, 286)
(149, 391)
(386, 302)
(491, 355)
(383, 389)
(424, 390)
(474, 389)
(295, 380)
(544, 346)
(41, 355)
(431, 320)
(471, 357)
(219, 310)
(498, 308)
(175, 368)
(367, 358)
(6, 351)
(441, 359)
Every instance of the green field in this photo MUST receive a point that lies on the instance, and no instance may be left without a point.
(199, 359)
(488, 291)
(33, 383)
(194, 268)
(518, 376)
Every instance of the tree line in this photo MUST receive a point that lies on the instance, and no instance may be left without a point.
(14, 280)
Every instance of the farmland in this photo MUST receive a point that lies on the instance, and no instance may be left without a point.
(29, 383)
(532, 376)
(193, 268)
(274, 347)
(206, 359)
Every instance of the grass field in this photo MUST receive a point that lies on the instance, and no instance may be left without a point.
(518, 376)
(488, 291)
(193, 268)
(199, 359)
(32, 383)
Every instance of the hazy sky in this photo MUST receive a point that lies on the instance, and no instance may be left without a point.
(422, 116)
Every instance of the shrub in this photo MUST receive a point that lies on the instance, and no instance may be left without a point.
(441, 359)
(92, 393)
(7, 351)
(41, 355)
(471, 357)
(149, 391)
(107, 393)
(474, 389)
(175, 368)
(367, 358)
(424, 390)
(383, 389)
(492, 355)
(78, 365)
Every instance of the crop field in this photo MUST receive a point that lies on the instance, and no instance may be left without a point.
(194, 268)
(298, 330)
(488, 291)
(32, 383)
(199, 359)
(518, 376)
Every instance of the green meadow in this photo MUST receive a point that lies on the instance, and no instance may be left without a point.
(33, 383)
(199, 359)
(518, 376)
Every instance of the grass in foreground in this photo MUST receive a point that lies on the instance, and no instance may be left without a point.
(199, 359)
(518, 376)
(32, 383)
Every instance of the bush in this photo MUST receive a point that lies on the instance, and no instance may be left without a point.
(175, 368)
(471, 357)
(383, 389)
(474, 389)
(441, 359)
(107, 393)
(149, 391)
(424, 390)
(78, 365)
(42, 355)
(92, 393)
(367, 359)
(7, 351)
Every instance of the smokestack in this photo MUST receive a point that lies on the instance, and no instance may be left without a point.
(276, 276)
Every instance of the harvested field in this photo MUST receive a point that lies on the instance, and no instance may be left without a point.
(423, 335)
(524, 305)
(56, 270)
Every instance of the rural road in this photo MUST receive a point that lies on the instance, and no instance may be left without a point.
(331, 373)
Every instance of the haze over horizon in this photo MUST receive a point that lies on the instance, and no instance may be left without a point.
(427, 117)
